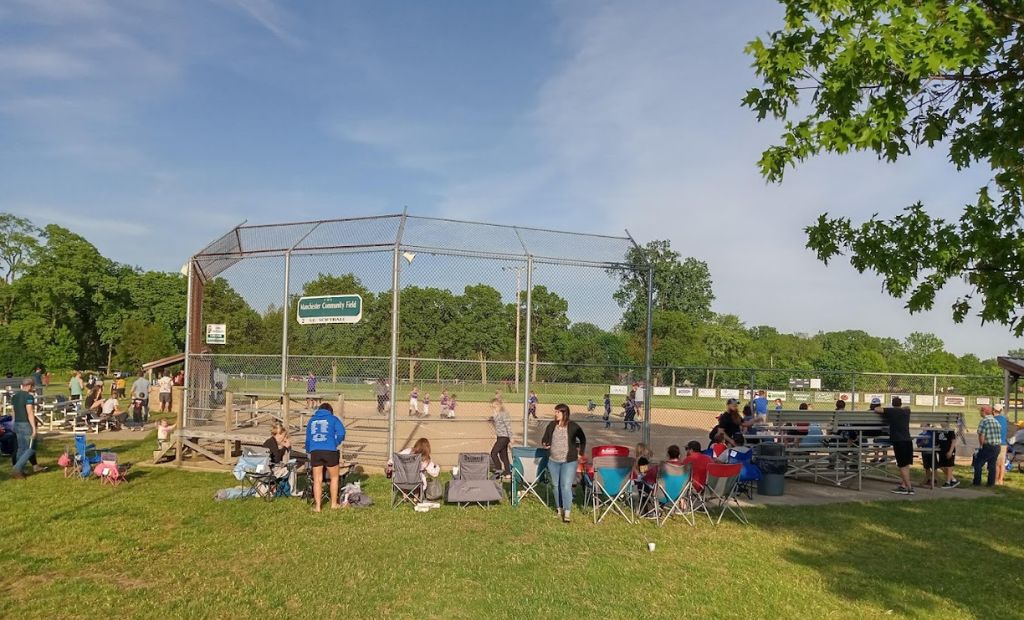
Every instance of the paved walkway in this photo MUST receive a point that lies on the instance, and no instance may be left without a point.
(801, 493)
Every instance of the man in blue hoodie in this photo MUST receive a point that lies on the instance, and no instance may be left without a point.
(324, 435)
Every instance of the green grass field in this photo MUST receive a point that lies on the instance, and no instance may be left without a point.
(159, 546)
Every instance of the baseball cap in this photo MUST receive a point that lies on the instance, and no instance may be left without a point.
(876, 401)
(732, 401)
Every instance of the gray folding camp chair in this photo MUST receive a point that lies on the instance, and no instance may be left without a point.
(722, 490)
(473, 484)
(406, 481)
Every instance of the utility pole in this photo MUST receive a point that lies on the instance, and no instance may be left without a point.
(518, 271)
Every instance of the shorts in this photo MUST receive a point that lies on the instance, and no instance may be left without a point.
(76, 397)
(904, 451)
(1001, 458)
(324, 458)
(165, 398)
(940, 457)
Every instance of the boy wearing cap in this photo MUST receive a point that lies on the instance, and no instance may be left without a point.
(1004, 432)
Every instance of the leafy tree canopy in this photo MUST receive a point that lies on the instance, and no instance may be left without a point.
(889, 77)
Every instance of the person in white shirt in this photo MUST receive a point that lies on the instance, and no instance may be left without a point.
(110, 411)
(165, 383)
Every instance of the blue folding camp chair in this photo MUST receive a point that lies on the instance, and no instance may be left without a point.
(613, 487)
(673, 494)
(749, 473)
(529, 470)
(85, 456)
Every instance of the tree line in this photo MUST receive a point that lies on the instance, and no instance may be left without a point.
(64, 305)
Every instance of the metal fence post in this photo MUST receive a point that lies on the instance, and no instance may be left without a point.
(648, 386)
(853, 391)
(935, 390)
(284, 323)
(526, 350)
(395, 265)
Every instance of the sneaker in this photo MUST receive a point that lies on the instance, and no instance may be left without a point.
(952, 484)
(38, 469)
(902, 490)
(565, 518)
(561, 515)
(17, 475)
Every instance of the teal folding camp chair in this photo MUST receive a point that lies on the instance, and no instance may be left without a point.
(673, 494)
(613, 487)
(529, 471)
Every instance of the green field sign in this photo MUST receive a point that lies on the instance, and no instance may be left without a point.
(324, 309)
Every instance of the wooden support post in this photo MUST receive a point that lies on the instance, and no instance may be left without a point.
(341, 406)
(178, 420)
(285, 405)
(229, 414)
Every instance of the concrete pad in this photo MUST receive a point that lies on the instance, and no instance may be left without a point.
(802, 493)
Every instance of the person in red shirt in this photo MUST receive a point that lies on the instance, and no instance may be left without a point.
(698, 462)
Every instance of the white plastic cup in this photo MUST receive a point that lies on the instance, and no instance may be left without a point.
(650, 547)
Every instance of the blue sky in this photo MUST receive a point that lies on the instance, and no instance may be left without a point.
(152, 127)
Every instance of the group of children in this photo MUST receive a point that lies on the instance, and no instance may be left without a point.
(646, 471)
(448, 404)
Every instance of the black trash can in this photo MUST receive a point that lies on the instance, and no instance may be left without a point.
(770, 458)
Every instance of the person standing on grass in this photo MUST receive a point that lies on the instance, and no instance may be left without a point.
(898, 418)
(165, 383)
(760, 404)
(1004, 432)
(324, 434)
(990, 438)
(37, 379)
(140, 389)
(310, 390)
(941, 444)
(24, 404)
(567, 443)
(503, 430)
(76, 387)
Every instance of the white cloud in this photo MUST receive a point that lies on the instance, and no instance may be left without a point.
(271, 17)
(36, 63)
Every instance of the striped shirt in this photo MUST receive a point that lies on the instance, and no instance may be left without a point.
(990, 431)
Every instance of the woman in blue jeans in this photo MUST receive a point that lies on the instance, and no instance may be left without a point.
(566, 442)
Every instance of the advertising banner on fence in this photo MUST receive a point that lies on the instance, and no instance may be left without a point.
(685, 391)
(867, 397)
(729, 393)
(825, 397)
(923, 400)
(216, 333)
(773, 394)
(983, 400)
(815, 384)
(904, 398)
(706, 392)
(801, 397)
(618, 389)
(663, 391)
(954, 401)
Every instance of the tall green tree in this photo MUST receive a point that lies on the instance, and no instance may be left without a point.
(680, 284)
(890, 77)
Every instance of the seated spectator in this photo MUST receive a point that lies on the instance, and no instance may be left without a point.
(749, 419)
(94, 400)
(109, 411)
(278, 444)
(428, 468)
(840, 405)
(673, 455)
(644, 471)
(698, 462)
